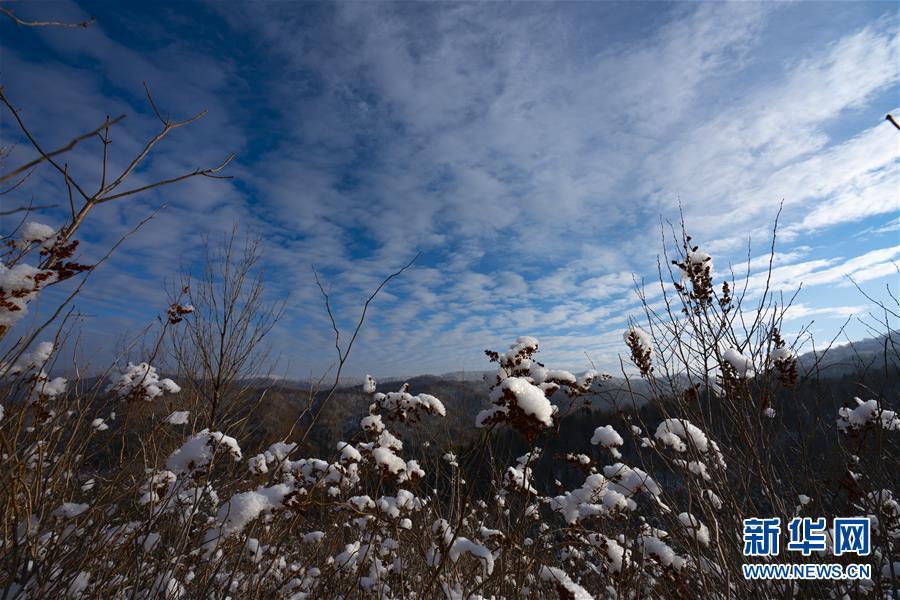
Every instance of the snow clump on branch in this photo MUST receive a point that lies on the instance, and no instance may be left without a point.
(141, 382)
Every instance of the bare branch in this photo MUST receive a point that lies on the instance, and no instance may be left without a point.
(25, 342)
(165, 122)
(893, 121)
(22, 23)
(168, 126)
(16, 185)
(58, 151)
(37, 146)
(334, 327)
(343, 355)
(6, 213)
(362, 317)
(211, 173)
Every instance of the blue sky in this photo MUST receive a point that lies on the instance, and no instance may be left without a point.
(529, 151)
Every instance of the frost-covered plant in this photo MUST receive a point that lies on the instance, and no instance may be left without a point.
(141, 382)
(654, 510)
(783, 358)
(638, 343)
(28, 371)
(62, 492)
(866, 413)
(523, 388)
(696, 267)
(175, 497)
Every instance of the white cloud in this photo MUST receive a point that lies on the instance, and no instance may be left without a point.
(819, 272)
(801, 311)
(526, 149)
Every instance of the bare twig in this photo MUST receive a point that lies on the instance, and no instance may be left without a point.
(211, 173)
(12, 211)
(22, 23)
(58, 151)
(344, 354)
(105, 191)
(44, 155)
(890, 117)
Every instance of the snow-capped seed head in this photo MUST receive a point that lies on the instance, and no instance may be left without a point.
(141, 382)
(33, 232)
(609, 438)
(742, 365)
(19, 285)
(179, 417)
(30, 361)
(865, 413)
(521, 403)
(198, 451)
(638, 342)
(177, 312)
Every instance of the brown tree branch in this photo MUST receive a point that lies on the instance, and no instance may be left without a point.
(211, 172)
(22, 23)
(343, 355)
(44, 155)
(6, 213)
(65, 148)
(890, 117)
(104, 193)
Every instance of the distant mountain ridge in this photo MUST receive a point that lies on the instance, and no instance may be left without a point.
(836, 361)
(852, 357)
